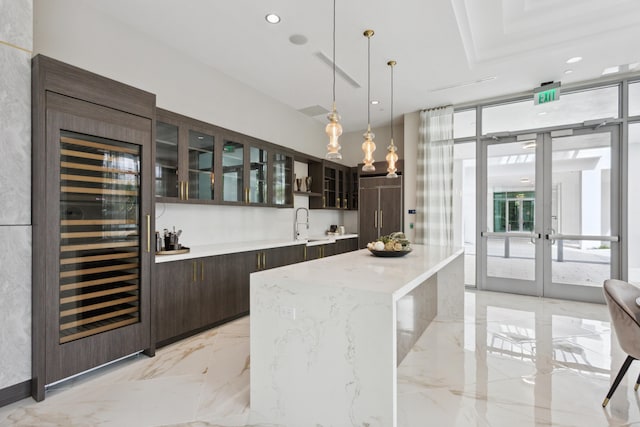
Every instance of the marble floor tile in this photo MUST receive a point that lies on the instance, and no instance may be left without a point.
(512, 361)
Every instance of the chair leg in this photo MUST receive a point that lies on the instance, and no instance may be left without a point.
(616, 382)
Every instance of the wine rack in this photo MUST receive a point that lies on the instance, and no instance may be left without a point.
(100, 244)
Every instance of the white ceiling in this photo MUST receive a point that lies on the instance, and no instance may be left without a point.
(448, 51)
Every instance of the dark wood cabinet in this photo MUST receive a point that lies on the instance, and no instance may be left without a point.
(92, 215)
(197, 162)
(178, 298)
(320, 251)
(286, 255)
(380, 210)
(198, 293)
(346, 245)
(330, 180)
(187, 153)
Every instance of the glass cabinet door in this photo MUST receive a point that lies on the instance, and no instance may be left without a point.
(201, 169)
(282, 180)
(257, 190)
(233, 172)
(166, 160)
(100, 192)
(341, 200)
(330, 195)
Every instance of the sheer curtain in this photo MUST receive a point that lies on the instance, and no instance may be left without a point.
(434, 225)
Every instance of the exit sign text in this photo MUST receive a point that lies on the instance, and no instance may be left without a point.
(545, 94)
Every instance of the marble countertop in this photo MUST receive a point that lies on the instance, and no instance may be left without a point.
(360, 270)
(236, 247)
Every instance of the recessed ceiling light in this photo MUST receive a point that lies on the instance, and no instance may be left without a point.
(611, 70)
(568, 71)
(574, 59)
(272, 18)
(374, 102)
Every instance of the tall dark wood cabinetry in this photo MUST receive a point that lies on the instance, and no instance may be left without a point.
(92, 216)
(380, 208)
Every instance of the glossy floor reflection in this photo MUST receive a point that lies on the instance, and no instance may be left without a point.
(513, 361)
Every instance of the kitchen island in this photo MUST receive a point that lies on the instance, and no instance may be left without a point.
(327, 335)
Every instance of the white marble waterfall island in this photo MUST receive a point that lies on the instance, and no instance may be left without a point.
(327, 335)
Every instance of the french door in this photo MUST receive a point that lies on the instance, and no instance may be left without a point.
(549, 211)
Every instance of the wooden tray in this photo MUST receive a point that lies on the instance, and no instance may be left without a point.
(182, 250)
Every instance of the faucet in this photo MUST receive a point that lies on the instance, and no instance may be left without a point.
(296, 230)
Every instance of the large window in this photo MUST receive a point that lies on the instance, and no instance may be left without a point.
(464, 209)
(634, 203)
(576, 107)
(634, 99)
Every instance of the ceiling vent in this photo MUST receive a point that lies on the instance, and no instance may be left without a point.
(339, 71)
(314, 110)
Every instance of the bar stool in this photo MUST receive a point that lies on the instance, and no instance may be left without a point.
(625, 317)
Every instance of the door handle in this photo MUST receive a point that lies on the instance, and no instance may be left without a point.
(148, 233)
(381, 219)
(375, 219)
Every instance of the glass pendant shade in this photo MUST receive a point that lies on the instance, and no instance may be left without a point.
(333, 130)
(392, 159)
(392, 155)
(368, 147)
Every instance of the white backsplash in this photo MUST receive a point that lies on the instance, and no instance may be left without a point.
(206, 224)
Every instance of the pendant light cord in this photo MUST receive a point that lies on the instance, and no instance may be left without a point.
(392, 104)
(334, 54)
(369, 82)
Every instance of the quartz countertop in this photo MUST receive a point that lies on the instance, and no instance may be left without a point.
(201, 251)
(360, 270)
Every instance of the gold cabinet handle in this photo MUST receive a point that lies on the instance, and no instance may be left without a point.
(264, 260)
(259, 260)
(148, 217)
(195, 273)
(381, 219)
(202, 271)
(375, 219)
(344, 203)
(324, 202)
(304, 252)
(186, 185)
(181, 193)
(337, 202)
(246, 195)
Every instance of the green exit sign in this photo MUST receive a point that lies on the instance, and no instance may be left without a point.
(546, 93)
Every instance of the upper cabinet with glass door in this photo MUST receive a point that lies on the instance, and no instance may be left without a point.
(185, 159)
(245, 172)
(282, 179)
(201, 163)
(331, 180)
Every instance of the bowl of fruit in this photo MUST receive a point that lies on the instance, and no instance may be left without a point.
(392, 245)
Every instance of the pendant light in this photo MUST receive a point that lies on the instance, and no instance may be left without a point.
(392, 156)
(368, 146)
(334, 128)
